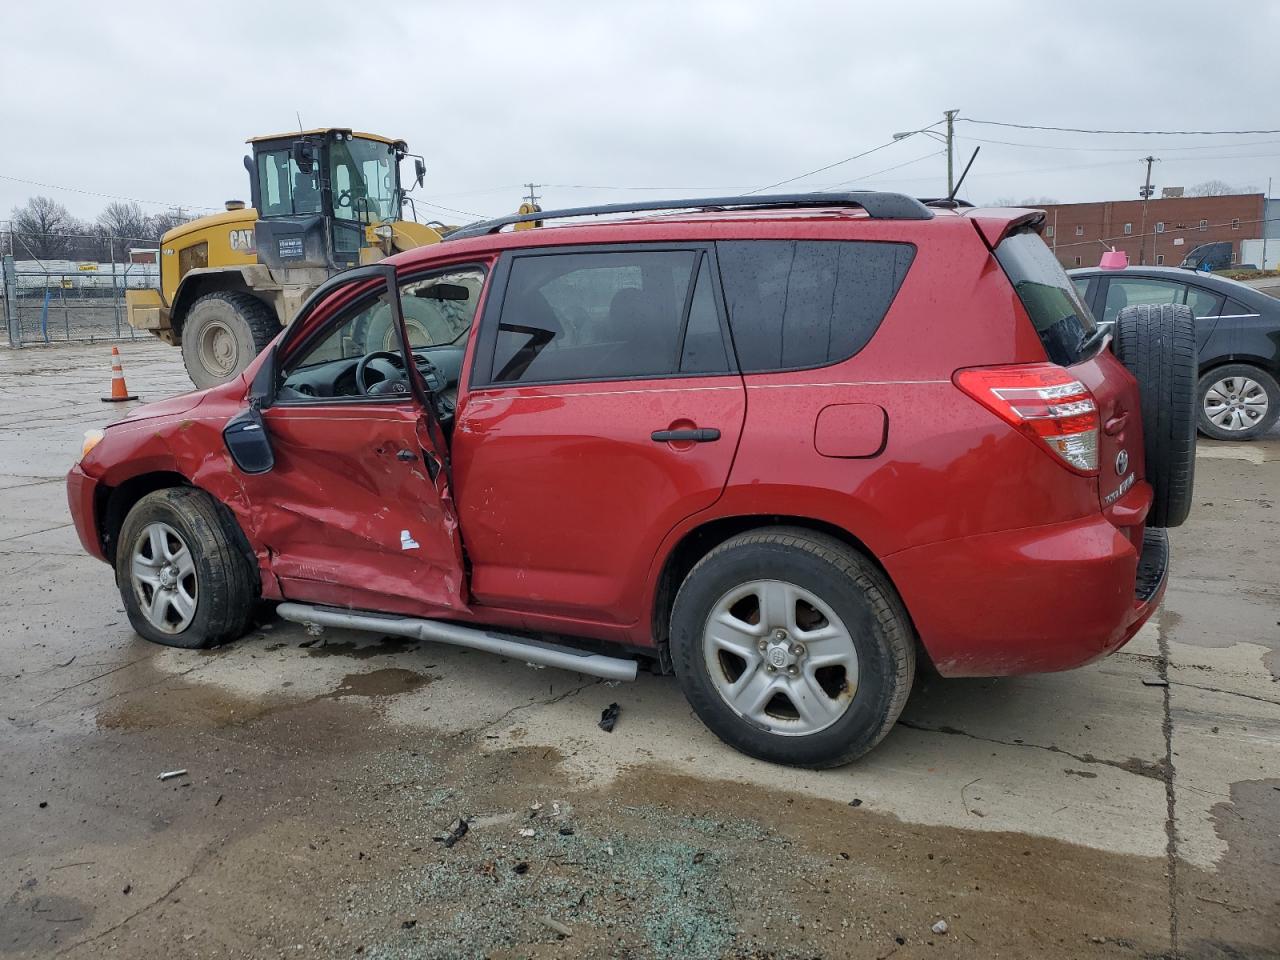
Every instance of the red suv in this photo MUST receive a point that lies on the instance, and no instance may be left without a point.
(782, 447)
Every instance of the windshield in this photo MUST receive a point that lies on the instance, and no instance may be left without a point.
(1065, 325)
(283, 188)
(365, 178)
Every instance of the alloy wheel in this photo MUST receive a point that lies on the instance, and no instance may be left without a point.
(163, 574)
(780, 657)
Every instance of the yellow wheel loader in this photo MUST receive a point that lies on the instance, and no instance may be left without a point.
(323, 200)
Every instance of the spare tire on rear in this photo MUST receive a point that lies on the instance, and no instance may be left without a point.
(1157, 342)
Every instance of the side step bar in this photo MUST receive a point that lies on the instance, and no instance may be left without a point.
(518, 648)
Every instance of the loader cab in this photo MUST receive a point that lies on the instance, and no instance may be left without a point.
(317, 192)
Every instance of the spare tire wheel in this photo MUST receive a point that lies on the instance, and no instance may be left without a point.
(1157, 342)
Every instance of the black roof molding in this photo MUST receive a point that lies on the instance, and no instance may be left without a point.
(879, 206)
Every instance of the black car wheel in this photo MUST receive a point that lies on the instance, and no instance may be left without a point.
(1238, 402)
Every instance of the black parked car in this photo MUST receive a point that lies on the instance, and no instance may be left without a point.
(1237, 331)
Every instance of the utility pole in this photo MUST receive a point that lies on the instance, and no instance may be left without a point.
(1147, 190)
(1266, 222)
(951, 140)
(532, 199)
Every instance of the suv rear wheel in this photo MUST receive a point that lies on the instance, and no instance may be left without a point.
(183, 573)
(792, 647)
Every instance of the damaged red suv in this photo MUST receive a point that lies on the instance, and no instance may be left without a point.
(783, 447)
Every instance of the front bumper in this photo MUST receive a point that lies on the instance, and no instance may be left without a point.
(81, 497)
(1034, 600)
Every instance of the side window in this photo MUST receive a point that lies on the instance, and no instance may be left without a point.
(273, 183)
(1233, 308)
(807, 303)
(703, 340)
(438, 311)
(1204, 303)
(1082, 287)
(591, 316)
(1132, 292)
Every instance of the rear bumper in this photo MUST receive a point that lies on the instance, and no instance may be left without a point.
(1034, 600)
(81, 493)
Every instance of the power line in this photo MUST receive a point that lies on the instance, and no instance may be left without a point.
(856, 156)
(876, 173)
(1143, 133)
(1134, 149)
(1155, 233)
(107, 196)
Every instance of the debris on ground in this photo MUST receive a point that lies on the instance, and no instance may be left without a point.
(855, 802)
(521, 868)
(1154, 682)
(940, 927)
(456, 832)
(609, 717)
(408, 924)
(555, 925)
(170, 774)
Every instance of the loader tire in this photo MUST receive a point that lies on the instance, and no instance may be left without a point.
(222, 333)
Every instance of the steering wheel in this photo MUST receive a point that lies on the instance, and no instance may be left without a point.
(387, 364)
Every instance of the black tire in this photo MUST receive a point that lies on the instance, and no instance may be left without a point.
(855, 590)
(1158, 345)
(222, 333)
(227, 584)
(1237, 371)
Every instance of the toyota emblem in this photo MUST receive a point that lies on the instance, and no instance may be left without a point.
(1122, 463)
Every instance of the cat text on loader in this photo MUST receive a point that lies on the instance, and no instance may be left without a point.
(323, 201)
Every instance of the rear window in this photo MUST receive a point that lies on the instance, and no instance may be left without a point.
(1060, 316)
(807, 303)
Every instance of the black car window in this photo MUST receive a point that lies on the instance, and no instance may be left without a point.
(1204, 303)
(594, 316)
(1060, 317)
(1134, 291)
(1233, 308)
(806, 303)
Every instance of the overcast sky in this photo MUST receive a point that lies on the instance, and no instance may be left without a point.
(154, 100)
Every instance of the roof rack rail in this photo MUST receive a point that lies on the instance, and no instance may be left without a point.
(879, 206)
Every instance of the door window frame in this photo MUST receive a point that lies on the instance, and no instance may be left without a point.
(353, 290)
(481, 374)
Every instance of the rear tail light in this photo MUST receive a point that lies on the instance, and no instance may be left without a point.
(1045, 402)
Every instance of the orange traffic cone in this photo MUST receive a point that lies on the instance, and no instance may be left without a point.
(119, 392)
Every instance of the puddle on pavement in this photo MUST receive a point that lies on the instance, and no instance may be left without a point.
(164, 700)
(387, 682)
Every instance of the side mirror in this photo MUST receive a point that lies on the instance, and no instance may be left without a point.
(305, 155)
(248, 443)
(419, 170)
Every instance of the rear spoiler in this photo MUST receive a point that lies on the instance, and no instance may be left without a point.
(995, 228)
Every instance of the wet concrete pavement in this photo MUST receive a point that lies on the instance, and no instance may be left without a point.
(1071, 815)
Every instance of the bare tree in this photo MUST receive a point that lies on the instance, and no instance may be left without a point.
(44, 229)
(123, 219)
(1215, 188)
(158, 224)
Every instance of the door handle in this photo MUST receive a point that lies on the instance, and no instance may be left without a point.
(695, 435)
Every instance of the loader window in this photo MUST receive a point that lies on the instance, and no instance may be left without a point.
(285, 189)
(365, 178)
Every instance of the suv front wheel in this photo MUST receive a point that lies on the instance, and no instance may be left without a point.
(792, 647)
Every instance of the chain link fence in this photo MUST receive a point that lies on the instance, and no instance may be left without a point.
(62, 301)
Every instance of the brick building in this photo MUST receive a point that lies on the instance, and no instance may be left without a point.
(1080, 233)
